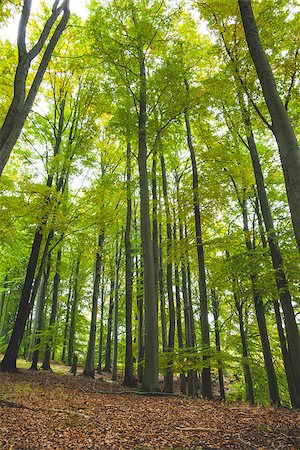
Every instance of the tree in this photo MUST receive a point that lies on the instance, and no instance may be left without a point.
(24, 97)
(281, 124)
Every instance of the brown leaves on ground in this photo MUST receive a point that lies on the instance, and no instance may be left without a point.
(54, 411)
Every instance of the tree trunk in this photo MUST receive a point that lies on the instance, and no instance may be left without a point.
(66, 328)
(282, 339)
(281, 125)
(286, 357)
(171, 336)
(247, 371)
(116, 308)
(260, 317)
(56, 282)
(277, 262)
(8, 363)
(99, 367)
(162, 293)
(140, 311)
(40, 314)
(206, 373)
(107, 367)
(71, 344)
(129, 379)
(3, 295)
(192, 374)
(150, 376)
(178, 313)
(89, 368)
(216, 308)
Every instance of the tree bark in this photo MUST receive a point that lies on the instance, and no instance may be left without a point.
(116, 308)
(162, 293)
(89, 368)
(71, 344)
(206, 373)
(66, 328)
(171, 337)
(129, 379)
(99, 367)
(40, 313)
(8, 363)
(277, 260)
(281, 125)
(107, 366)
(178, 312)
(56, 283)
(260, 317)
(150, 376)
(3, 295)
(140, 311)
(216, 311)
(246, 366)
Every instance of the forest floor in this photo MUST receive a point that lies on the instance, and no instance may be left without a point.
(41, 410)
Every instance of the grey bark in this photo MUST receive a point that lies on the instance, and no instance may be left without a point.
(206, 373)
(116, 307)
(150, 376)
(71, 344)
(129, 379)
(89, 368)
(281, 125)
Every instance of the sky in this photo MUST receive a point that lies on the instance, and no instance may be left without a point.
(10, 31)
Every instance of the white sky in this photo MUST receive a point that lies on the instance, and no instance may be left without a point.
(10, 31)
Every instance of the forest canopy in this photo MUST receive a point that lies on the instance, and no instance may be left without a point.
(150, 194)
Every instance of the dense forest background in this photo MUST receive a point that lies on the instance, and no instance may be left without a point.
(149, 209)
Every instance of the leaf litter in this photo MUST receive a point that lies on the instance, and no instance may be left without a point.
(42, 410)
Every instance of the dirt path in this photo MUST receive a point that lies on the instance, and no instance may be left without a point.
(55, 411)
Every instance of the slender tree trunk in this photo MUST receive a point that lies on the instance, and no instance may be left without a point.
(3, 304)
(178, 313)
(150, 376)
(278, 266)
(129, 379)
(8, 363)
(71, 345)
(281, 125)
(66, 327)
(192, 374)
(3, 295)
(155, 219)
(99, 367)
(40, 314)
(171, 337)
(140, 311)
(216, 310)
(286, 357)
(56, 283)
(282, 339)
(260, 317)
(246, 366)
(186, 295)
(89, 368)
(162, 293)
(116, 308)
(206, 373)
(107, 367)
(27, 335)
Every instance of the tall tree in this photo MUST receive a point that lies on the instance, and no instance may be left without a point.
(24, 96)
(281, 124)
